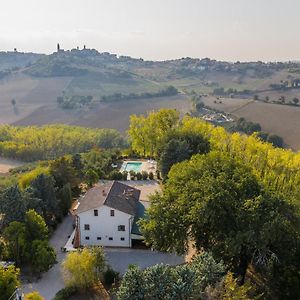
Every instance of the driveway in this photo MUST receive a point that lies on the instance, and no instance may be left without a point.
(51, 282)
(120, 259)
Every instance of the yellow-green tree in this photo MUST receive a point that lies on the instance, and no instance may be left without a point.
(9, 281)
(26, 179)
(33, 296)
(32, 143)
(147, 132)
(231, 290)
(81, 269)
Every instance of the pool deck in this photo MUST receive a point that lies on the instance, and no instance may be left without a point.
(147, 165)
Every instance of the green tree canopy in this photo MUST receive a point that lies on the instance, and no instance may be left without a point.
(12, 204)
(178, 146)
(15, 235)
(42, 187)
(133, 286)
(63, 172)
(42, 256)
(216, 201)
(183, 282)
(36, 228)
(65, 199)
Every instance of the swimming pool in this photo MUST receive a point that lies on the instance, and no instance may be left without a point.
(131, 166)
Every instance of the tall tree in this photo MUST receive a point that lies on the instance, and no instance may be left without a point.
(12, 205)
(91, 177)
(132, 286)
(65, 199)
(77, 164)
(146, 133)
(15, 235)
(63, 172)
(81, 269)
(215, 200)
(178, 146)
(42, 256)
(43, 188)
(36, 228)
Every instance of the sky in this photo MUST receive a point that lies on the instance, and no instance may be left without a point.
(231, 30)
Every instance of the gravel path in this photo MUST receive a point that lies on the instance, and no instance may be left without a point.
(51, 282)
(119, 259)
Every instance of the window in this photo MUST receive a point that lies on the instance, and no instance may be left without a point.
(122, 239)
(86, 226)
(96, 212)
(121, 228)
(87, 237)
(110, 238)
(99, 238)
(112, 213)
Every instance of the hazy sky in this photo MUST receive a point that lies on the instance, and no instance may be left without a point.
(156, 29)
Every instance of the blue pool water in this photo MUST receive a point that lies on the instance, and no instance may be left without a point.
(132, 166)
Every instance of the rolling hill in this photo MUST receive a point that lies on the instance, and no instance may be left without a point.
(30, 85)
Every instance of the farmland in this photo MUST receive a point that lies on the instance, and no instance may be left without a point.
(104, 115)
(28, 94)
(36, 101)
(282, 120)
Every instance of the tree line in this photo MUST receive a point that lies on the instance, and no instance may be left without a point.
(33, 143)
(202, 278)
(116, 97)
(75, 101)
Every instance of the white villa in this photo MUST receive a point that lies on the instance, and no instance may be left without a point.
(107, 215)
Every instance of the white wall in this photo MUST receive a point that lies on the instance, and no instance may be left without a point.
(105, 226)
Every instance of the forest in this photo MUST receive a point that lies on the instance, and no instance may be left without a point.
(33, 143)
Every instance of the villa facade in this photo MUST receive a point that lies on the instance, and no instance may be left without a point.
(107, 215)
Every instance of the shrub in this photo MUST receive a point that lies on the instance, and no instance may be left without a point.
(110, 276)
(34, 296)
(145, 175)
(65, 293)
(115, 175)
(139, 176)
(125, 175)
(132, 175)
(151, 176)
